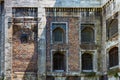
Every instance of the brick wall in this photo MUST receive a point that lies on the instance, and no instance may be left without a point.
(24, 54)
(72, 46)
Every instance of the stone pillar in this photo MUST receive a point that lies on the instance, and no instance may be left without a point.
(8, 44)
(103, 51)
(41, 44)
(2, 43)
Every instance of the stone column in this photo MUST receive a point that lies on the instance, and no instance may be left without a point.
(103, 51)
(41, 44)
(7, 44)
(2, 43)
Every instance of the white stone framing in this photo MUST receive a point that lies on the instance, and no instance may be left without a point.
(95, 61)
(94, 28)
(66, 55)
(66, 32)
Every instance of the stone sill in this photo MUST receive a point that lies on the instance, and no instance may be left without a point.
(113, 37)
(70, 73)
(113, 70)
(114, 67)
(58, 70)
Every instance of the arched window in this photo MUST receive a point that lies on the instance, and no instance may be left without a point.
(87, 61)
(112, 28)
(58, 35)
(59, 61)
(87, 35)
(113, 57)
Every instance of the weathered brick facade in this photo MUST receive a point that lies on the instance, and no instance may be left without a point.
(59, 39)
(71, 46)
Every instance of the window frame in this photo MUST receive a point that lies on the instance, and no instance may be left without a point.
(59, 60)
(66, 60)
(91, 35)
(94, 55)
(113, 65)
(109, 25)
(87, 26)
(62, 35)
(65, 32)
(86, 54)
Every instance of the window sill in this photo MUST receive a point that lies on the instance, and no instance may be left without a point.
(112, 37)
(114, 67)
(59, 71)
(87, 71)
(89, 46)
(87, 42)
(57, 42)
(113, 70)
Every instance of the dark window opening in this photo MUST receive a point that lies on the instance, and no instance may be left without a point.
(50, 78)
(113, 57)
(112, 28)
(58, 35)
(87, 61)
(87, 14)
(1, 7)
(104, 77)
(24, 38)
(87, 35)
(59, 61)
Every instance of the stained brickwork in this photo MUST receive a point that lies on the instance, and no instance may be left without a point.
(24, 53)
(71, 46)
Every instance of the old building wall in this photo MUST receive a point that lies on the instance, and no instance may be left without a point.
(9, 55)
(72, 41)
(74, 47)
(111, 12)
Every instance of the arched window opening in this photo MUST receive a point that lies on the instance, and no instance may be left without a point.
(112, 28)
(58, 35)
(59, 62)
(87, 61)
(103, 77)
(87, 35)
(113, 57)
